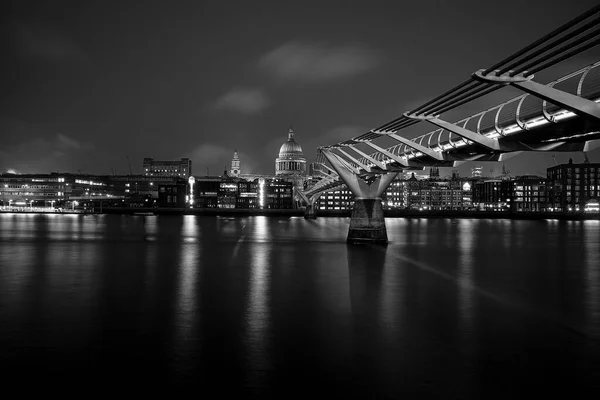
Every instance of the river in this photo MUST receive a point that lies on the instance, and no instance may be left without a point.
(279, 307)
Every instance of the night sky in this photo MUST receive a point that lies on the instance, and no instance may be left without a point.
(86, 84)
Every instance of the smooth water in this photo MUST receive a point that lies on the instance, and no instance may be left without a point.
(283, 307)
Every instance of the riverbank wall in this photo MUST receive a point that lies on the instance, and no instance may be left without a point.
(324, 214)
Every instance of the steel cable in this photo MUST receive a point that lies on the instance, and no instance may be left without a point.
(545, 38)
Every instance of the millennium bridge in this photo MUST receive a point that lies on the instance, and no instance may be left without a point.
(563, 116)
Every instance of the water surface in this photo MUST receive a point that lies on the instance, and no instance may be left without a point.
(283, 307)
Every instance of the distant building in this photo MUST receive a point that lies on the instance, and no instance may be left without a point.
(291, 161)
(336, 200)
(172, 195)
(248, 195)
(57, 188)
(394, 196)
(181, 168)
(572, 186)
(528, 193)
(277, 194)
(236, 168)
(206, 191)
(492, 195)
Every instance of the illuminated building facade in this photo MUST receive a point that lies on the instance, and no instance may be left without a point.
(492, 195)
(572, 186)
(233, 193)
(528, 194)
(336, 200)
(206, 191)
(247, 196)
(236, 167)
(394, 196)
(172, 195)
(46, 190)
(278, 194)
(155, 168)
(227, 194)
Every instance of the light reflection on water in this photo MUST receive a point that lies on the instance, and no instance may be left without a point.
(262, 303)
(592, 275)
(258, 313)
(186, 308)
(466, 233)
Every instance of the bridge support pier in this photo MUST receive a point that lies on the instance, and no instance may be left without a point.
(367, 224)
(310, 212)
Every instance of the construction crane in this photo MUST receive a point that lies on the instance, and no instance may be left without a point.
(129, 164)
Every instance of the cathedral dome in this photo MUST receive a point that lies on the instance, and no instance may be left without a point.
(291, 161)
(290, 148)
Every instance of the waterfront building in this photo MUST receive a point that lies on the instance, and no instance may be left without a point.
(433, 194)
(32, 190)
(57, 188)
(412, 194)
(467, 193)
(528, 193)
(439, 195)
(248, 195)
(572, 186)
(492, 195)
(336, 200)
(228, 191)
(276, 194)
(206, 191)
(172, 195)
(155, 168)
(394, 196)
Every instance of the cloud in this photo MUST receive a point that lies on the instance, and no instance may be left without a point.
(67, 142)
(243, 100)
(306, 62)
(42, 154)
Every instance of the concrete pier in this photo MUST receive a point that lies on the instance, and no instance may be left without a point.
(367, 224)
(310, 212)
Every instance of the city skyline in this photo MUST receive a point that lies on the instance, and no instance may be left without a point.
(89, 86)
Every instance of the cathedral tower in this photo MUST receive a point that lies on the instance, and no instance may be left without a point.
(236, 168)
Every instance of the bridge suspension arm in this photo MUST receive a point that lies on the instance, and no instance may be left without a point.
(368, 157)
(388, 154)
(571, 102)
(425, 150)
